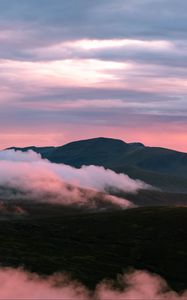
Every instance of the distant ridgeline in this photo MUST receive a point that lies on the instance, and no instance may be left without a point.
(163, 168)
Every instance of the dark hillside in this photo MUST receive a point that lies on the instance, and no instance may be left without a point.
(98, 245)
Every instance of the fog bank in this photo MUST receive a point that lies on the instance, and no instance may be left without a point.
(28, 176)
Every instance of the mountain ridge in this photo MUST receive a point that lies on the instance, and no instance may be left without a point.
(92, 139)
(161, 167)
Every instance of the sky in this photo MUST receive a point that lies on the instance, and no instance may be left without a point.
(80, 69)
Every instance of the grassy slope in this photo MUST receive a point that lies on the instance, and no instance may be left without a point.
(99, 245)
(155, 198)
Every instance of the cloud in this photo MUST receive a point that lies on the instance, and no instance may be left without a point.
(106, 19)
(17, 284)
(138, 46)
(137, 285)
(27, 176)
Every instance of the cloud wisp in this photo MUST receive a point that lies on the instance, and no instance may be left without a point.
(28, 176)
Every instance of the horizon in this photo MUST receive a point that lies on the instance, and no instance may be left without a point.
(70, 71)
(91, 138)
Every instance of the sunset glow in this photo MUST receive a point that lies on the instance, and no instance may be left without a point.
(97, 77)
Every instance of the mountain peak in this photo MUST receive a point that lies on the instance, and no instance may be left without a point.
(97, 140)
(137, 144)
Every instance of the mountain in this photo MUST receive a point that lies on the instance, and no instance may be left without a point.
(163, 168)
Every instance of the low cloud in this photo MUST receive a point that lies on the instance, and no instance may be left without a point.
(19, 284)
(28, 176)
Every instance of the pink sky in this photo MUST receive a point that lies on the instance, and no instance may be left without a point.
(68, 73)
(169, 137)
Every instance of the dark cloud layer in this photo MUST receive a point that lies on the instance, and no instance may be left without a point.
(152, 19)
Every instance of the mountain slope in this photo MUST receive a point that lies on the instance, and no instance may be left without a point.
(164, 168)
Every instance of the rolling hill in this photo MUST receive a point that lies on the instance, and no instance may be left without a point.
(163, 168)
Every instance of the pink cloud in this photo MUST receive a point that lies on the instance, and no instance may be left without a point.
(41, 181)
(138, 285)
